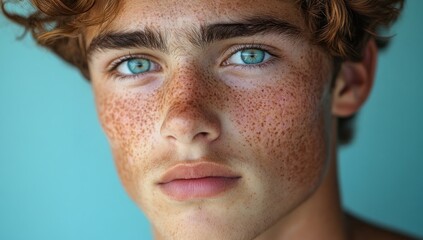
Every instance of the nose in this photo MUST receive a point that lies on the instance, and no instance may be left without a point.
(188, 123)
(189, 116)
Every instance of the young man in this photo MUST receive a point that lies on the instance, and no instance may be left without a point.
(223, 116)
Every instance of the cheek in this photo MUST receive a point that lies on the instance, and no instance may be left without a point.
(128, 120)
(284, 127)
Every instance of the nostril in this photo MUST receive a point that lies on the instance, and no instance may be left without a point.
(203, 135)
(171, 137)
(208, 136)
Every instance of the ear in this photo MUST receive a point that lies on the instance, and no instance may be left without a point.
(354, 82)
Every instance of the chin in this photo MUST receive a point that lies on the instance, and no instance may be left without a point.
(205, 225)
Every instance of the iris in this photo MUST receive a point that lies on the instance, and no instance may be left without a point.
(138, 65)
(252, 56)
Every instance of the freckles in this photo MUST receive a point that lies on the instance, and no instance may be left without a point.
(126, 118)
(295, 99)
(190, 89)
(128, 121)
(284, 125)
(269, 115)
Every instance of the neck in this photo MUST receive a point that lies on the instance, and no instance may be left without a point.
(319, 217)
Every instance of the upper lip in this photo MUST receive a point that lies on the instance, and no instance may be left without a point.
(197, 170)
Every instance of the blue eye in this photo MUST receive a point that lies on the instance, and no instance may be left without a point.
(252, 56)
(136, 66)
(249, 56)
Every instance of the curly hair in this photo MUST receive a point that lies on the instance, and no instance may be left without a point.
(342, 27)
(59, 25)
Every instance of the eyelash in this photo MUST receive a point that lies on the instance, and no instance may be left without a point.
(116, 63)
(261, 47)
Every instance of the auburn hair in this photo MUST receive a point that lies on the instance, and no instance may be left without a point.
(342, 27)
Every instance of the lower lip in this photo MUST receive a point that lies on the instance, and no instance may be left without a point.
(186, 189)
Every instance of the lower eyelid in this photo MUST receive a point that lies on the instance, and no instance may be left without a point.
(267, 63)
(129, 77)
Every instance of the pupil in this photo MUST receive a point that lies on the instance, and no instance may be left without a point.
(252, 56)
(138, 65)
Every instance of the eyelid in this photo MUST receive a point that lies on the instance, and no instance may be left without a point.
(239, 47)
(112, 67)
(115, 63)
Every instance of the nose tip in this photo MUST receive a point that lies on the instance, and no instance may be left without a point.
(187, 123)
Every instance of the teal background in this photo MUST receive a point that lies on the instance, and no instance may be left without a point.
(57, 178)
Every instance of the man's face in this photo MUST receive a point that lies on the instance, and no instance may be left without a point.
(228, 95)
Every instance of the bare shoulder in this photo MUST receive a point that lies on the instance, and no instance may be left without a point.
(361, 230)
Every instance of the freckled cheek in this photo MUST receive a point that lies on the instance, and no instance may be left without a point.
(283, 129)
(128, 122)
(268, 117)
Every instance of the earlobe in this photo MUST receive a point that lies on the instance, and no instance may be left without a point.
(354, 82)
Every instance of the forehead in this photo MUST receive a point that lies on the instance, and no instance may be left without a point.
(180, 15)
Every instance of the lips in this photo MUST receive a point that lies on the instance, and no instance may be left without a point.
(200, 180)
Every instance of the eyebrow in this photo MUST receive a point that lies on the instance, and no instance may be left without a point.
(147, 38)
(154, 39)
(245, 28)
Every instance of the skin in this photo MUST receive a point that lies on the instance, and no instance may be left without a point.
(272, 124)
